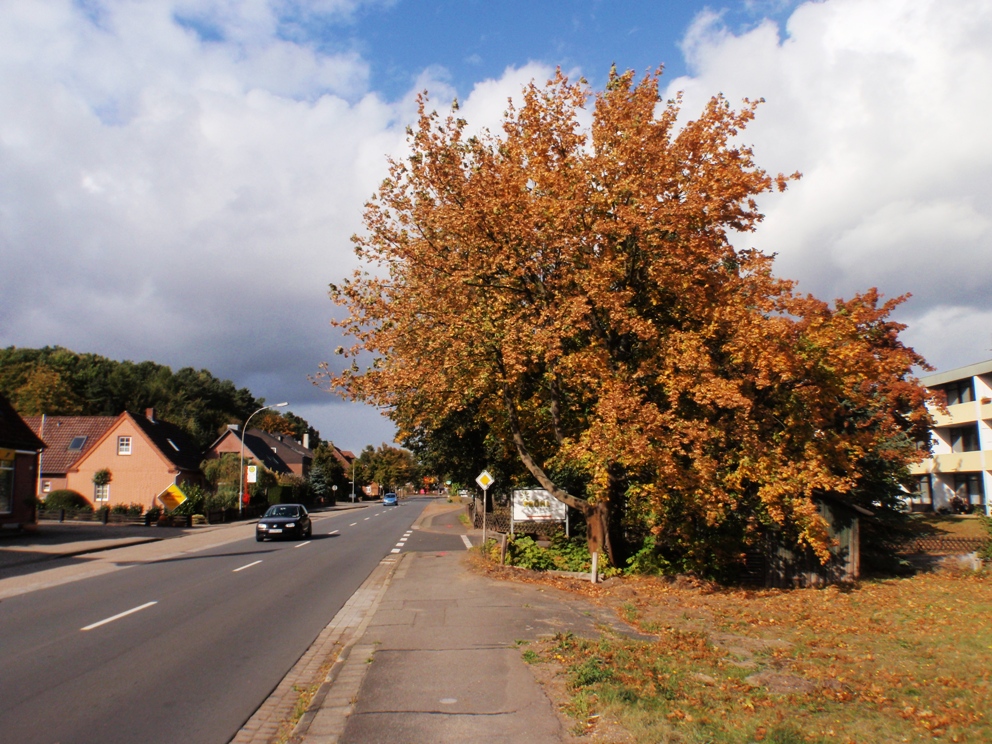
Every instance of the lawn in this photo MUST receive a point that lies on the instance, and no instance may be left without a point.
(896, 660)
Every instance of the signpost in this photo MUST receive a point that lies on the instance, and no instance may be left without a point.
(172, 497)
(484, 480)
(537, 505)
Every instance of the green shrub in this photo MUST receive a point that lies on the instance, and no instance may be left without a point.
(101, 512)
(119, 509)
(648, 560)
(66, 498)
(135, 510)
(986, 552)
(153, 514)
(563, 554)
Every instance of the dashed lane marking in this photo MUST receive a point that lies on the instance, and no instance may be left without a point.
(118, 616)
(255, 563)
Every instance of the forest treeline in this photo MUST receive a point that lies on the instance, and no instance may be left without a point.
(57, 381)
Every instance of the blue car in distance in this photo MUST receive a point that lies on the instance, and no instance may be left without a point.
(390, 500)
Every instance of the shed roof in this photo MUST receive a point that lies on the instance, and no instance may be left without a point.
(14, 431)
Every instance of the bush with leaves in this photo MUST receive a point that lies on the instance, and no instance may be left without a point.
(986, 552)
(66, 498)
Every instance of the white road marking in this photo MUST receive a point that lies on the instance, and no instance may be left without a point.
(366, 519)
(350, 525)
(395, 550)
(334, 532)
(302, 544)
(119, 616)
(244, 567)
(468, 543)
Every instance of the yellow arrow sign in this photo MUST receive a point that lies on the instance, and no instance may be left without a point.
(172, 497)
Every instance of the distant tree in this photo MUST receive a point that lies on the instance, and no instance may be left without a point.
(390, 467)
(57, 381)
(44, 391)
(273, 423)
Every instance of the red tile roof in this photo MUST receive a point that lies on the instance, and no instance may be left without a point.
(59, 433)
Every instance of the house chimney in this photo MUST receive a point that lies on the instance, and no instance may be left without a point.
(233, 427)
(150, 414)
(306, 440)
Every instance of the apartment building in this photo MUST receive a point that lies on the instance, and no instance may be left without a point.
(959, 475)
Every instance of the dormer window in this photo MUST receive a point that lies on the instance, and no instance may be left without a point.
(77, 444)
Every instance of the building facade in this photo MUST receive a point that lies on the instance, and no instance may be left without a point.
(19, 452)
(958, 478)
(143, 454)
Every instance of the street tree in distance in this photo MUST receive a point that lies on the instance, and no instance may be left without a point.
(576, 291)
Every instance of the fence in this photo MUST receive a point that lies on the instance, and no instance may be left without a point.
(498, 520)
(213, 516)
(88, 515)
(939, 545)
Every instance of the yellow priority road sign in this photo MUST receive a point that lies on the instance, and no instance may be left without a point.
(485, 480)
(172, 497)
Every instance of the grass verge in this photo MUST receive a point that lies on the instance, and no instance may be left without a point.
(900, 660)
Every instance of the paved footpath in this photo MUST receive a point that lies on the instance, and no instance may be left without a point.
(428, 651)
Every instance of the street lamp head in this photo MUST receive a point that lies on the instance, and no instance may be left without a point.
(280, 405)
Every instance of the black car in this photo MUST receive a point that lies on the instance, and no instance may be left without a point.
(284, 520)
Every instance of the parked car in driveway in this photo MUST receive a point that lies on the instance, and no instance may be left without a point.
(284, 520)
(390, 499)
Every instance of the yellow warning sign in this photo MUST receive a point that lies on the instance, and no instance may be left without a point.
(172, 497)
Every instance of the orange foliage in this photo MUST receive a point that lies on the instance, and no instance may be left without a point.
(578, 289)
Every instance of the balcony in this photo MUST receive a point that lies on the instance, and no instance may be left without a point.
(958, 462)
(962, 413)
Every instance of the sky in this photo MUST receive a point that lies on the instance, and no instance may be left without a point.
(180, 179)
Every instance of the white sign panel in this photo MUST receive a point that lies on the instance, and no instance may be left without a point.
(537, 505)
(253, 473)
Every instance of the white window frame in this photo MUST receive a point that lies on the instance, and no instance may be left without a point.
(123, 445)
(101, 494)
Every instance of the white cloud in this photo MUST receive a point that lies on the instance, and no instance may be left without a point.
(882, 105)
(179, 182)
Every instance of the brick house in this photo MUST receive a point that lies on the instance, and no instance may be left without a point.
(276, 452)
(19, 451)
(67, 439)
(144, 456)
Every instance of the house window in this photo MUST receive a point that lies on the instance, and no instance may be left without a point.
(77, 444)
(964, 438)
(922, 493)
(6, 481)
(101, 493)
(968, 488)
(46, 486)
(960, 391)
(123, 445)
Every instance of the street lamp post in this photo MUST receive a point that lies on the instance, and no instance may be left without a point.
(354, 464)
(241, 470)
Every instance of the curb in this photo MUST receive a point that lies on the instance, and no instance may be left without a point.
(327, 711)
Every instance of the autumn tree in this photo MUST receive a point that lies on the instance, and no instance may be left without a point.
(390, 467)
(574, 290)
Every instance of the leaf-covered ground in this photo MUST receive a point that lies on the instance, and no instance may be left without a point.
(898, 660)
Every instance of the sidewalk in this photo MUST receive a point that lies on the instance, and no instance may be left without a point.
(430, 652)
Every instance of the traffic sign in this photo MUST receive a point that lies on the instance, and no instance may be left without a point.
(485, 480)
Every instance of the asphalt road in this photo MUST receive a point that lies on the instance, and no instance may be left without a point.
(184, 649)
